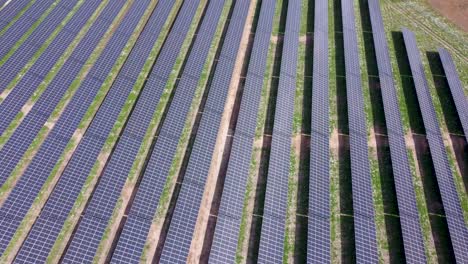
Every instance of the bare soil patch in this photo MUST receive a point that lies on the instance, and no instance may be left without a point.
(454, 10)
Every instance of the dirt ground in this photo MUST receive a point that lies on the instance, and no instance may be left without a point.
(454, 10)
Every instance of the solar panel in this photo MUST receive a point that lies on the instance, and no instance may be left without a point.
(10, 11)
(115, 174)
(276, 195)
(25, 133)
(133, 237)
(10, 69)
(29, 185)
(456, 88)
(177, 244)
(318, 239)
(406, 198)
(451, 202)
(13, 34)
(71, 183)
(364, 226)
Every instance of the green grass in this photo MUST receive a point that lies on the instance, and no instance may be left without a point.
(35, 25)
(40, 199)
(41, 50)
(382, 242)
(17, 17)
(49, 77)
(182, 147)
(144, 149)
(38, 140)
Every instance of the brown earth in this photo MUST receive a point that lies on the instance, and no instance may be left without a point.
(454, 10)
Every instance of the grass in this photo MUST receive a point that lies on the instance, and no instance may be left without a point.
(157, 116)
(182, 148)
(41, 135)
(17, 17)
(54, 71)
(34, 27)
(41, 49)
(41, 198)
(454, 38)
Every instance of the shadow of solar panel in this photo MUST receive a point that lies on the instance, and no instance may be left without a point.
(50, 151)
(450, 199)
(13, 34)
(456, 88)
(181, 231)
(273, 225)
(115, 174)
(409, 218)
(365, 234)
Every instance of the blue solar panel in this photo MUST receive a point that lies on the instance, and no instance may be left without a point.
(364, 226)
(451, 202)
(17, 30)
(133, 237)
(113, 178)
(182, 224)
(318, 239)
(70, 184)
(456, 88)
(276, 195)
(28, 129)
(10, 11)
(409, 217)
(228, 222)
(10, 69)
(26, 190)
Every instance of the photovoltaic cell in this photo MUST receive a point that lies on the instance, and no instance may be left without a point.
(10, 11)
(451, 202)
(71, 183)
(177, 244)
(406, 198)
(226, 235)
(364, 225)
(11, 68)
(133, 237)
(30, 184)
(456, 88)
(13, 34)
(113, 178)
(25, 133)
(318, 239)
(276, 195)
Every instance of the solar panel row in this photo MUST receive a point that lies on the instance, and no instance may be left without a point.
(10, 11)
(59, 85)
(226, 235)
(406, 198)
(318, 240)
(73, 178)
(456, 88)
(451, 202)
(10, 69)
(12, 153)
(29, 185)
(101, 206)
(276, 194)
(24, 134)
(14, 33)
(133, 237)
(181, 229)
(363, 206)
